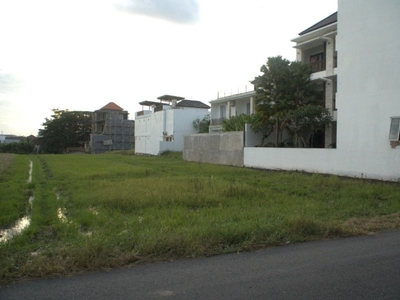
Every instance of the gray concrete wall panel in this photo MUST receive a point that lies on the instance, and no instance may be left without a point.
(219, 148)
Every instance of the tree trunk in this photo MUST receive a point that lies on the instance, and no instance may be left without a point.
(277, 133)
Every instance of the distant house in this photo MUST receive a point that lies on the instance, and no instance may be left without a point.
(162, 126)
(10, 138)
(227, 107)
(111, 130)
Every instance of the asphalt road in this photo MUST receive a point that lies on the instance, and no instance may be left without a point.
(366, 267)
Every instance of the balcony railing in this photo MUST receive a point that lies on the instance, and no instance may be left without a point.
(320, 65)
(142, 113)
(217, 121)
(158, 108)
(317, 66)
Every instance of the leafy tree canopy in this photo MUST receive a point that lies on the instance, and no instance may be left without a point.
(202, 126)
(236, 123)
(287, 96)
(23, 147)
(309, 119)
(65, 129)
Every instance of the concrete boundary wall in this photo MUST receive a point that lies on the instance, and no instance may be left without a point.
(219, 148)
(325, 161)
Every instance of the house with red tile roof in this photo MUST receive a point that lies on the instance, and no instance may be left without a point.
(111, 130)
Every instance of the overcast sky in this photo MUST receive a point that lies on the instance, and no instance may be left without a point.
(82, 54)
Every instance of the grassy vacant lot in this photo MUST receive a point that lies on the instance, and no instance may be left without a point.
(94, 212)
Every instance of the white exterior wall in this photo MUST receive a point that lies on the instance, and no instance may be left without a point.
(368, 94)
(238, 104)
(241, 107)
(149, 129)
(368, 86)
(148, 133)
(215, 110)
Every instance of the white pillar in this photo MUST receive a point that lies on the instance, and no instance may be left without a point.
(329, 105)
(329, 56)
(228, 110)
(252, 107)
(299, 55)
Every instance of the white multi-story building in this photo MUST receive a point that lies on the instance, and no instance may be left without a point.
(162, 127)
(367, 80)
(317, 46)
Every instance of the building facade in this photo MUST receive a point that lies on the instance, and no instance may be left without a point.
(227, 107)
(111, 130)
(368, 108)
(162, 126)
(316, 46)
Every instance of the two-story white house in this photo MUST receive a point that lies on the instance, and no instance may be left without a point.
(368, 116)
(317, 46)
(226, 107)
(162, 126)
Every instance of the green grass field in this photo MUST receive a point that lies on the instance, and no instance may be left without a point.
(95, 212)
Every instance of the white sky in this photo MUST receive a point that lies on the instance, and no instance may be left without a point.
(82, 54)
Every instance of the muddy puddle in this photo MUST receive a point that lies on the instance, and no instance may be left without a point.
(21, 224)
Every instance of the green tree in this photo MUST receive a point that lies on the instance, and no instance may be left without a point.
(286, 96)
(236, 123)
(272, 103)
(202, 126)
(259, 125)
(23, 147)
(65, 129)
(308, 120)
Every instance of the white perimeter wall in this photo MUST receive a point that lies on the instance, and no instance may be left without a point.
(177, 122)
(368, 45)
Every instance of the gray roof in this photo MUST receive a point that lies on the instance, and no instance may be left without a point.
(150, 103)
(170, 97)
(328, 20)
(182, 103)
(192, 103)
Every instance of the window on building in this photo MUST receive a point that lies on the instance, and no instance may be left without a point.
(394, 133)
(317, 57)
(248, 108)
(317, 62)
(222, 112)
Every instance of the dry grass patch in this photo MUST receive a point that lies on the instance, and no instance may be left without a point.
(6, 161)
(372, 225)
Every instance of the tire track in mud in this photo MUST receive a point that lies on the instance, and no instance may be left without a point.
(46, 169)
